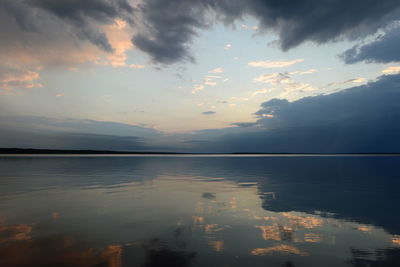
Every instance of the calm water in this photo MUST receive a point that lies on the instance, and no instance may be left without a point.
(200, 211)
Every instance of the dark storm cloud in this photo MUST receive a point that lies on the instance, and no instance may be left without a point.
(366, 103)
(166, 29)
(357, 120)
(77, 10)
(210, 112)
(170, 26)
(384, 49)
(82, 16)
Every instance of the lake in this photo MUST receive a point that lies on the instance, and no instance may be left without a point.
(243, 210)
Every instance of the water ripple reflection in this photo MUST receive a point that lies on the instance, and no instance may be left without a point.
(166, 211)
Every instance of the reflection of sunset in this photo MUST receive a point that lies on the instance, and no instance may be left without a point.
(396, 240)
(283, 249)
(304, 221)
(210, 228)
(174, 220)
(271, 232)
(58, 251)
(233, 203)
(15, 232)
(312, 238)
(364, 228)
(217, 245)
(198, 219)
(113, 254)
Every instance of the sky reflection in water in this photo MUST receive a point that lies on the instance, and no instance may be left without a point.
(199, 211)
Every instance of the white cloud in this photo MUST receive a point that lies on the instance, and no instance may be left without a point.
(198, 88)
(273, 78)
(356, 80)
(281, 78)
(136, 66)
(210, 80)
(247, 27)
(284, 82)
(227, 46)
(350, 81)
(297, 87)
(14, 78)
(214, 77)
(274, 64)
(217, 70)
(391, 70)
(310, 71)
(262, 91)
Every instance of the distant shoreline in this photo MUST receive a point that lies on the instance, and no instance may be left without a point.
(31, 151)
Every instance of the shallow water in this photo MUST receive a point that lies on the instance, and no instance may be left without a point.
(199, 211)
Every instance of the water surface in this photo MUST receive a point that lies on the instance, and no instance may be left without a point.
(199, 211)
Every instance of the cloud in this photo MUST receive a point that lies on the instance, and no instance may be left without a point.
(280, 78)
(360, 119)
(356, 80)
(273, 78)
(283, 81)
(198, 88)
(136, 66)
(262, 91)
(296, 87)
(119, 36)
(80, 16)
(40, 34)
(51, 133)
(12, 78)
(210, 80)
(169, 27)
(391, 70)
(165, 30)
(363, 104)
(384, 49)
(216, 70)
(274, 64)
(350, 81)
(52, 42)
(310, 71)
(227, 46)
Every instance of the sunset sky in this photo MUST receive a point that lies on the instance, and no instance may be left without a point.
(200, 75)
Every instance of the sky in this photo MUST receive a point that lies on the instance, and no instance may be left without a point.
(201, 75)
